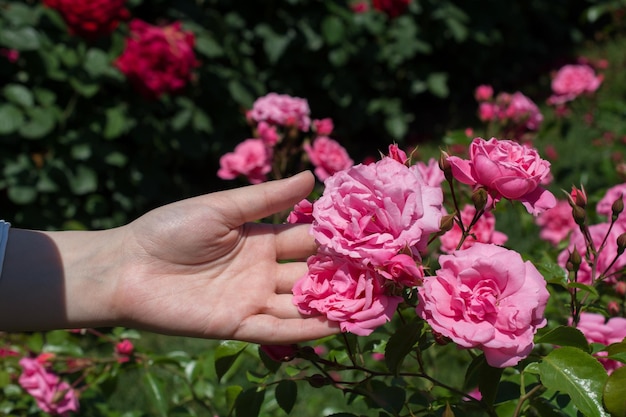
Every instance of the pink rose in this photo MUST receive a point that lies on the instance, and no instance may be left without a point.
(556, 223)
(268, 133)
(605, 205)
(398, 154)
(403, 270)
(484, 231)
(158, 60)
(12, 55)
(250, 158)
(432, 174)
(301, 213)
(373, 212)
(483, 92)
(52, 395)
(486, 111)
(323, 127)
(506, 169)
(90, 18)
(597, 329)
(283, 110)
(486, 297)
(344, 292)
(603, 260)
(572, 81)
(523, 111)
(328, 157)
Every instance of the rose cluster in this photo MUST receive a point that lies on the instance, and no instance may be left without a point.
(90, 18)
(279, 121)
(371, 224)
(514, 112)
(53, 395)
(572, 81)
(158, 60)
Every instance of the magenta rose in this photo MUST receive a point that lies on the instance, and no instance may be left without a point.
(597, 329)
(371, 213)
(328, 157)
(572, 81)
(251, 158)
(483, 92)
(345, 292)
(158, 60)
(282, 110)
(90, 18)
(506, 169)
(323, 127)
(486, 297)
(403, 270)
(53, 396)
(556, 223)
(393, 8)
(523, 111)
(398, 154)
(484, 231)
(614, 193)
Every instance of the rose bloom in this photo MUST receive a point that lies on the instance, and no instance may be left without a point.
(403, 270)
(345, 292)
(484, 231)
(432, 174)
(373, 212)
(46, 388)
(90, 18)
(301, 213)
(506, 169)
(268, 133)
(158, 60)
(328, 157)
(487, 111)
(556, 223)
(605, 204)
(572, 81)
(486, 297)
(523, 111)
(251, 158)
(283, 110)
(393, 8)
(483, 92)
(597, 329)
(323, 127)
(12, 55)
(603, 259)
(398, 154)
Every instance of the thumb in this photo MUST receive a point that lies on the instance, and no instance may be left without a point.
(254, 202)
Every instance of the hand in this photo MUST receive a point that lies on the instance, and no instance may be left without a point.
(200, 267)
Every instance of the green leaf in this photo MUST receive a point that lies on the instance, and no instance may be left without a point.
(22, 39)
(156, 393)
(332, 30)
(566, 336)
(553, 273)
(241, 95)
(22, 194)
(286, 394)
(208, 47)
(11, 118)
(249, 403)
(232, 392)
(116, 122)
(84, 181)
(19, 94)
(97, 62)
(181, 119)
(85, 89)
(20, 14)
(225, 355)
(41, 122)
(583, 287)
(486, 377)
(579, 375)
(389, 398)
(615, 393)
(438, 84)
(401, 343)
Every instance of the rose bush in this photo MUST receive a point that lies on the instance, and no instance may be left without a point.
(90, 19)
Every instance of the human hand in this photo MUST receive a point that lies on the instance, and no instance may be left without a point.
(200, 267)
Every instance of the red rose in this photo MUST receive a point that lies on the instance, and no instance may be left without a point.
(393, 8)
(90, 18)
(158, 60)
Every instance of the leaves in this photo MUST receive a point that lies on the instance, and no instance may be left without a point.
(226, 354)
(577, 374)
(401, 343)
(566, 336)
(615, 393)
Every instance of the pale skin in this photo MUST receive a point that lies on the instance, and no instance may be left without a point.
(199, 267)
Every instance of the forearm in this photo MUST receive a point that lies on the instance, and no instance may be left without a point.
(55, 280)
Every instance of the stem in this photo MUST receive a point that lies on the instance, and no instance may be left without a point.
(524, 398)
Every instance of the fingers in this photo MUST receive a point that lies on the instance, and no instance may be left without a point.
(254, 202)
(266, 329)
(294, 241)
